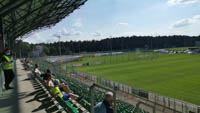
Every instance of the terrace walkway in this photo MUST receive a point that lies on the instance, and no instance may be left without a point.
(27, 97)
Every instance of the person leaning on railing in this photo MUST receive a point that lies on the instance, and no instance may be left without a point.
(7, 67)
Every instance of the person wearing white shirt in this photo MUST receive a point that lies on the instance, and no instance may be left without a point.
(36, 69)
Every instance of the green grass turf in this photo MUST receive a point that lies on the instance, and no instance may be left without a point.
(173, 75)
(112, 59)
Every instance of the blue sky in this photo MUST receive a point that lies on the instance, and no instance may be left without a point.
(99, 19)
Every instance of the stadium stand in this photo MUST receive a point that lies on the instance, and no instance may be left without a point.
(69, 106)
(79, 88)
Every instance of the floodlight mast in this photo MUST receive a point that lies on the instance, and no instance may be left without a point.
(111, 43)
(58, 36)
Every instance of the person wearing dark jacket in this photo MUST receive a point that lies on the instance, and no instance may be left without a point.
(46, 75)
(7, 67)
(106, 105)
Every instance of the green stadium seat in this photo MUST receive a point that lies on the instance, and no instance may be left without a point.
(67, 104)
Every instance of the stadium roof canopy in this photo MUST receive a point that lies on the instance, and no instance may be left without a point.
(20, 17)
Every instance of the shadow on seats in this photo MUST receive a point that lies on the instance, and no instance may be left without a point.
(40, 95)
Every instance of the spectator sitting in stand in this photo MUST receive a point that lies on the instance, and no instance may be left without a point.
(49, 82)
(63, 91)
(36, 69)
(106, 105)
(46, 76)
(56, 91)
(27, 63)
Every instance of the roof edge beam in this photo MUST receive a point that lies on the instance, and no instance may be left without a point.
(10, 6)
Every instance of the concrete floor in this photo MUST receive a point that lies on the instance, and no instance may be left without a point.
(27, 95)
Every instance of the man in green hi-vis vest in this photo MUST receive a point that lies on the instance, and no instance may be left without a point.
(7, 67)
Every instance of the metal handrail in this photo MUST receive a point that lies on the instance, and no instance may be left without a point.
(140, 102)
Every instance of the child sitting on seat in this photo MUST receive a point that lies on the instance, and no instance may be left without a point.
(63, 91)
(56, 91)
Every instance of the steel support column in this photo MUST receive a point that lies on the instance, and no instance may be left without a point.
(1, 35)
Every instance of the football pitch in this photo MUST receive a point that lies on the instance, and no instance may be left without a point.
(173, 75)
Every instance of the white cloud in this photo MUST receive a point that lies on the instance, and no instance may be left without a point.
(186, 22)
(123, 24)
(67, 33)
(37, 38)
(97, 34)
(70, 32)
(77, 23)
(174, 2)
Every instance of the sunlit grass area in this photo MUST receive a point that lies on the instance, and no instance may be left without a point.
(173, 75)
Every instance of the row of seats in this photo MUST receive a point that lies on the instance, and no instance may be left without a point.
(68, 106)
(122, 107)
(65, 104)
(80, 88)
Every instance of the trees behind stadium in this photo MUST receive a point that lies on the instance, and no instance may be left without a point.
(121, 44)
(125, 43)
